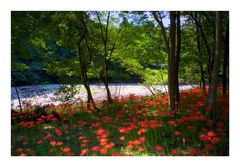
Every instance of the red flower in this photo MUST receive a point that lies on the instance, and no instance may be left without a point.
(124, 130)
(136, 142)
(66, 149)
(19, 149)
(39, 142)
(203, 137)
(58, 132)
(23, 154)
(117, 154)
(48, 136)
(211, 134)
(109, 146)
(194, 151)
(129, 147)
(85, 141)
(69, 153)
(141, 139)
(142, 130)
(122, 138)
(103, 151)
(172, 123)
(214, 140)
(84, 151)
(95, 148)
(209, 147)
(174, 152)
(202, 118)
(177, 133)
(56, 143)
(140, 149)
(100, 131)
(190, 127)
(81, 137)
(159, 148)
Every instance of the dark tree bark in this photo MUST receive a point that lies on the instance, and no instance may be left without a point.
(202, 82)
(82, 63)
(171, 62)
(225, 60)
(83, 72)
(206, 44)
(216, 64)
(104, 72)
(178, 51)
(19, 100)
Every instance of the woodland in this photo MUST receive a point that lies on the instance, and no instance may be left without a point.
(150, 48)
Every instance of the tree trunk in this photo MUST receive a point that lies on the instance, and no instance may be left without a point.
(105, 63)
(216, 64)
(178, 51)
(202, 82)
(225, 61)
(206, 44)
(19, 100)
(82, 63)
(83, 72)
(171, 62)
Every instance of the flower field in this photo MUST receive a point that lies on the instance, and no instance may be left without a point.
(130, 126)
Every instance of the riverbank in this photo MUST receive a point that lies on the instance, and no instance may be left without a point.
(46, 94)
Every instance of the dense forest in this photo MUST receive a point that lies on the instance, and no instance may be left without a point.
(148, 47)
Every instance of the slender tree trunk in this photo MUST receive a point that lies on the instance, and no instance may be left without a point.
(105, 63)
(225, 61)
(202, 82)
(216, 64)
(82, 63)
(202, 77)
(171, 62)
(178, 51)
(105, 82)
(206, 44)
(83, 73)
(19, 100)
